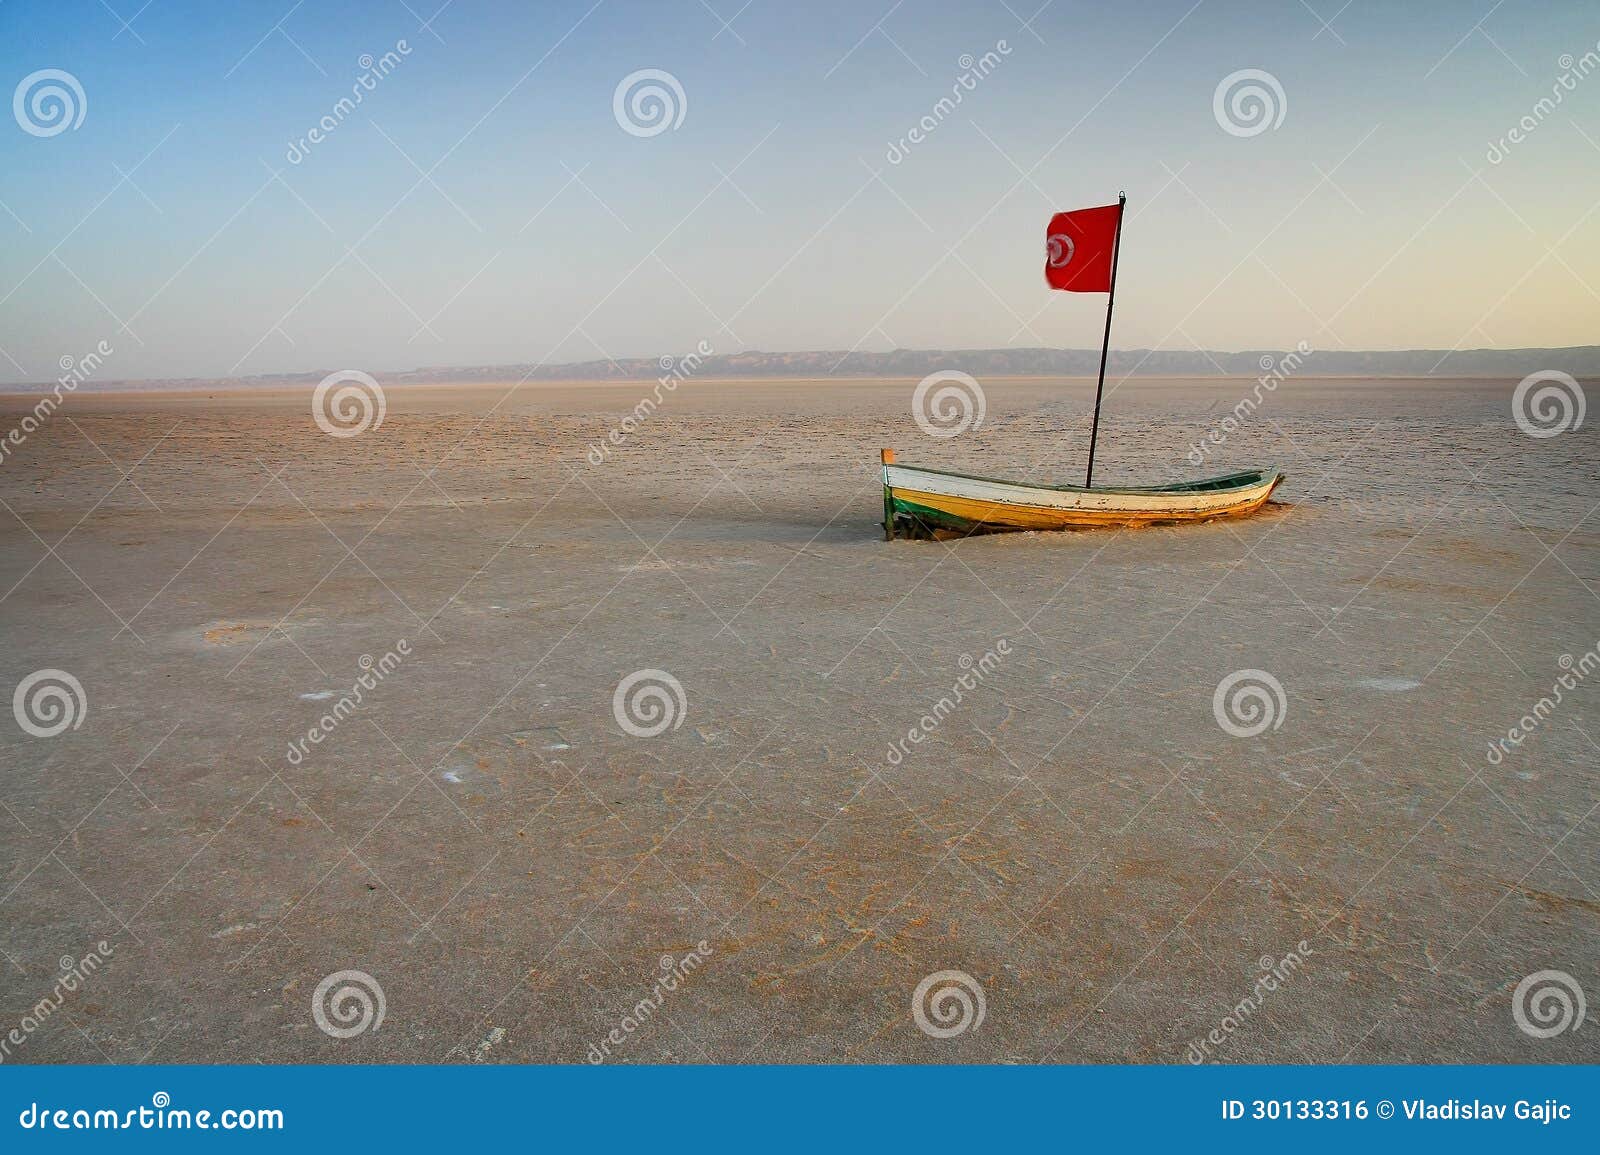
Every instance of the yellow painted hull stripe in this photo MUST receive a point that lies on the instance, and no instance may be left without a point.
(1049, 517)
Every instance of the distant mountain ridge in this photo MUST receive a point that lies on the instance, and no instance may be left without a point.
(1583, 360)
(1580, 361)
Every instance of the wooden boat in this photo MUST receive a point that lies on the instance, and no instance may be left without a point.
(1082, 248)
(936, 502)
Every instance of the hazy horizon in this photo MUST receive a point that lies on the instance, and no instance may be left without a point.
(1464, 364)
(488, 200)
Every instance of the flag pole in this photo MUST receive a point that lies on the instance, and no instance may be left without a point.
(1105, 344)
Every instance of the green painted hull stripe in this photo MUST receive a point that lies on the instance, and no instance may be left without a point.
(933, 516)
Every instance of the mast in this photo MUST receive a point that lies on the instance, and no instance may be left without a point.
(1105, 344)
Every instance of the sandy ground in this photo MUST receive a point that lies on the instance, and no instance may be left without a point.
(1079, 835)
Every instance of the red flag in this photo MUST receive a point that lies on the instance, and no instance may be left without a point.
(1079, 249)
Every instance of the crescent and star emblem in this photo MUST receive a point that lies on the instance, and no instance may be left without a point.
(1059, 249)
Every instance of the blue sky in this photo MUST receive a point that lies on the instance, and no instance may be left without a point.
(172, 224)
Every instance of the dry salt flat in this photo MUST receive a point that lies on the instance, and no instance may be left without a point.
(1112, 859)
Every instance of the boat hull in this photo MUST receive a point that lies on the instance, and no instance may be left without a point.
(934, 500)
